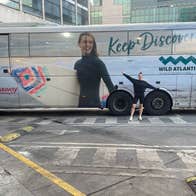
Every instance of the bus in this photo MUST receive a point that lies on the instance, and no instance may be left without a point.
(38, 66)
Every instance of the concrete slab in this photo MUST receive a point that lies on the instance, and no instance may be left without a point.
(192, 183)
(10, 186)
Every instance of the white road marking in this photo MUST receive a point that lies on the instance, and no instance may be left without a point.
(25, 153)
(177, 120)
(134, 122)
(104, 156)
(44, 122)
(188, 158)
(155, 120)
(90, 120)
(111, 120)
(108, 145)
(61, 132)
(149, 159)
(65, 156)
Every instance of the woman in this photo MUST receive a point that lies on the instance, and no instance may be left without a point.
(139, 88)
(90, 69)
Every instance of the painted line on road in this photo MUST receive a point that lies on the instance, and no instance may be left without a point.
(9, 137)
(62, 132)
(118, 145)
(16, 134)
(129, 124)
(184, 149)
(54, 179)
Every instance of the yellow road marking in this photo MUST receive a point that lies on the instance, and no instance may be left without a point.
(12, 136)
(9, 137)
(58, 181)
(191, 179)
(27, 128)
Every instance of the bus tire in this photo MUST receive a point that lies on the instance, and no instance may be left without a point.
(119, 103)
(157, 103)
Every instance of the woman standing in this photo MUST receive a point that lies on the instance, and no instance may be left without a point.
(90, 70)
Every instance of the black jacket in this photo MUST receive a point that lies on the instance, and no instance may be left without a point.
(139, 85)
(90, 70)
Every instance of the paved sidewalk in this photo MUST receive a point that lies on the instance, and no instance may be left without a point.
(10, 186)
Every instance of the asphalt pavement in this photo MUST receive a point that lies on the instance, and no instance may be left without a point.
(94, 153)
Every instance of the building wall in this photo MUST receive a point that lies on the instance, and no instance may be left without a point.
(111, 13)
(69, 12)
(143, 11)
(8, 15)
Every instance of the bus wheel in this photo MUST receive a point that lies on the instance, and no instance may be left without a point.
(157, 103)
(119, 103)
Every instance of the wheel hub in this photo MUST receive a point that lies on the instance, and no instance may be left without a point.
(120, 104)
(157, 103)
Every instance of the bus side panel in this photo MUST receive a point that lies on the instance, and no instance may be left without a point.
(46, 82)
(193, 94)
(183, 91)
(150, 66)
(8, 86)
(169, 72)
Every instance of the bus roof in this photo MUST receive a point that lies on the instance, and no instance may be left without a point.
(36, 27)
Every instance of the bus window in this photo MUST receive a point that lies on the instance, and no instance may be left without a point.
(187, 42)
(3, 46)
(54, 44)
(111, 43)
(151, 42)
(19, 45)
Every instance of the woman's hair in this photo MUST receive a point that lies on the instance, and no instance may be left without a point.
(94, 49)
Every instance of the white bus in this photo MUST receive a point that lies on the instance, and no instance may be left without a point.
(38, 66)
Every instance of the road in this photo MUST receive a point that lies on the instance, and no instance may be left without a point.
(97, 154)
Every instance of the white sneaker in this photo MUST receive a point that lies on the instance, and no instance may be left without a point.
(139, 118)
(131, 118)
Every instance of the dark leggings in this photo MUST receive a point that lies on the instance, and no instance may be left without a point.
(140, 97)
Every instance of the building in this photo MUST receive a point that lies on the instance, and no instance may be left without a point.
(71, 12)
(141, 11)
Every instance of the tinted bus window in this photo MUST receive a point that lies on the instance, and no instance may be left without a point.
(187, 42)
(54, 44)
(150, 42)
(4, 46)
(111, 43)
(19, 45)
